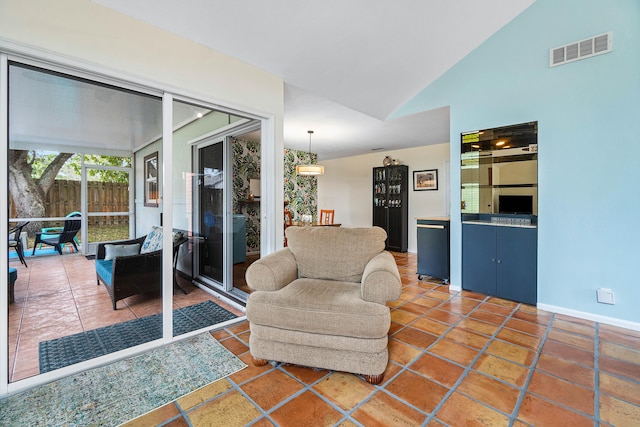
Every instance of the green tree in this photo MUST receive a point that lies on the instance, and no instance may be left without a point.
(29, 194)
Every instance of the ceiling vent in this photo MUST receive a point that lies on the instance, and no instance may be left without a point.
(582, 49)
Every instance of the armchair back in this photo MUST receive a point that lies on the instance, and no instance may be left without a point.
(334, 253)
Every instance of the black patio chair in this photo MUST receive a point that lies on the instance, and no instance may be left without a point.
(16, 243)
(67, 235)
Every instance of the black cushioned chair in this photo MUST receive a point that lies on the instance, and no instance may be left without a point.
(16, 243)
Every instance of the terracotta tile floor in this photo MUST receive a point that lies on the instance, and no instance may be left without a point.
(58, 296)
(456, 359)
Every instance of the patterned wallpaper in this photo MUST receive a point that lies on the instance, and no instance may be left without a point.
(301, 191)
(246, 165)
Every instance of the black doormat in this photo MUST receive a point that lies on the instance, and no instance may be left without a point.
(65, 351)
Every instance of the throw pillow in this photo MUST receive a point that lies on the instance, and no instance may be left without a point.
(114, 251)
(153, 241)
(177, 235)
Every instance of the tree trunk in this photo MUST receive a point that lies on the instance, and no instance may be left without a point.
(28, 195)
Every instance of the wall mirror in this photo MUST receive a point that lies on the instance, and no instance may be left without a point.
(499, 170)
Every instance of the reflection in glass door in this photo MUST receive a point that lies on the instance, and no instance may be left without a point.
(211, 212)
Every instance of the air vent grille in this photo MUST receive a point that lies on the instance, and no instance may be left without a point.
(582, 49)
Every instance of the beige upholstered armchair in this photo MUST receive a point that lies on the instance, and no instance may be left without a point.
(320, 302)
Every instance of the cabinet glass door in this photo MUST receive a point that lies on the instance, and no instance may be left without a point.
(379, 198)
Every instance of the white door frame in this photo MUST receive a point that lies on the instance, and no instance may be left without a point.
(84, 202)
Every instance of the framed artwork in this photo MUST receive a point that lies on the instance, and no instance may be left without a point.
(151, 195)
(425, 180)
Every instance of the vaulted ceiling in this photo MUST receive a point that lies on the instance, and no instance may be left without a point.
(347, 65)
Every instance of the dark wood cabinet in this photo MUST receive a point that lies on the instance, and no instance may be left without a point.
(500, 261)
(391, 204)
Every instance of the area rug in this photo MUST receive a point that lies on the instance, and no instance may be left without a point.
(61, 352)
(116, 393)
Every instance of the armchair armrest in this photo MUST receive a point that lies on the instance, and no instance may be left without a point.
(273, 272)
(381, 280)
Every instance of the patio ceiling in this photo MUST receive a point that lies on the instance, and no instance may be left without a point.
(52, 112)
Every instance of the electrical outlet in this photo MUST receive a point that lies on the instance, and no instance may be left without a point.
(605, 296)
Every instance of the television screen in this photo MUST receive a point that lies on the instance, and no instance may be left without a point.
(515, 204)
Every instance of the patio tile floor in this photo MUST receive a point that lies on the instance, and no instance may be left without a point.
(57, 296)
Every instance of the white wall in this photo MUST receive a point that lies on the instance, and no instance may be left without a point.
(97, 35)
(346, 186)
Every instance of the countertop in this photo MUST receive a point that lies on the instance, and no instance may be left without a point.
(434, 218)
(500, 224)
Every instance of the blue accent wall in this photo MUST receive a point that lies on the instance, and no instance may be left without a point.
(588, 114)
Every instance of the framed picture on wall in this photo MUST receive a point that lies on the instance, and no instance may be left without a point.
(425, 180)
(151, 195)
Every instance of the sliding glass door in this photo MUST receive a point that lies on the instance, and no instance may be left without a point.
(83, 143)
(70, 145)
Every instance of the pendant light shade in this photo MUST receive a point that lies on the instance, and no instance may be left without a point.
(310, 169)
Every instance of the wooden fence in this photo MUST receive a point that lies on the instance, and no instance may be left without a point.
(64, 198)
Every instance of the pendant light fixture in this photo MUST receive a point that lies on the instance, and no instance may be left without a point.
(310, 169)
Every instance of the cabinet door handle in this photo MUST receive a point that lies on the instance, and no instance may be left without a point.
(499, 261)
(493, 260)
(438, 227)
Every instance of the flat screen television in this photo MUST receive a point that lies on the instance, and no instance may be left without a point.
(508, 204)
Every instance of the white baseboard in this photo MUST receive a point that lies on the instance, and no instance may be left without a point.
(590, 316)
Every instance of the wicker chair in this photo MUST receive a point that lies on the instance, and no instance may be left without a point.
(126, 272)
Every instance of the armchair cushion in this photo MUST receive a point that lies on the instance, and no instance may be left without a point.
(113, 251)
(343, 254)
(320, 307)
(104, 269)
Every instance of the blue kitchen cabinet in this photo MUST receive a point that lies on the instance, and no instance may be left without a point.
(500, 260)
